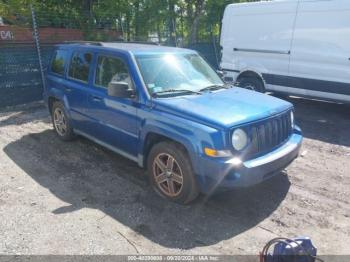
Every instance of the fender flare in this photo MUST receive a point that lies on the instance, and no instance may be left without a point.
(171, 135)
(59, 95)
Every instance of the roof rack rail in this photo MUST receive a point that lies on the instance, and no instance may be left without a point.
(117, 41)
(136, 42)
(84, 42)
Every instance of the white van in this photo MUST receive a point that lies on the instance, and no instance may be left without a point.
(299, 47)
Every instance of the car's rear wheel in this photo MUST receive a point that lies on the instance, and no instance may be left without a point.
(171, 174)
(61, 122)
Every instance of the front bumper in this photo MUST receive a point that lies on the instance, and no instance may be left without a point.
(230, 173)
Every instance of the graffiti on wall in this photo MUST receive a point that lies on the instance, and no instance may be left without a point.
(6, 35)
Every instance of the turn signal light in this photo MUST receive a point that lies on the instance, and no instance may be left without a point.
(210, 152)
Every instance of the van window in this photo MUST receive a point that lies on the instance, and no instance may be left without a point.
(59, 62)
(80, 66)
(110, 69)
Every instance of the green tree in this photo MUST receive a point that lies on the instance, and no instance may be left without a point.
(191, 20)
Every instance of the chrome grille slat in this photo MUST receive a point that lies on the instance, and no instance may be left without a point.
(275, 132)
(280, 130)
(271, 138)
(255, 143)
(284, 127)
(262, 137)
(289, 124)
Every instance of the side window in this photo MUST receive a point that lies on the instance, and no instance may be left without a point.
(59, 61)
(110, 69)
(80, 66)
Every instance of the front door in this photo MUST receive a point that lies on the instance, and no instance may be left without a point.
(115, 118)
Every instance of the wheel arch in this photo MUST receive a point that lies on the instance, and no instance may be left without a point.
(60, 98)
(51, 100)
(251, 73)
(152, 138)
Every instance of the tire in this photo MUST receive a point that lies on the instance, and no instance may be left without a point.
(180, 175)
(251, 83)
(61, 122)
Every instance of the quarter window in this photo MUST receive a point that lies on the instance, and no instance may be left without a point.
(59, 62)
(110, 69)
(80, 66)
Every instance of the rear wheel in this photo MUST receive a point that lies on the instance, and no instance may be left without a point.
(171, 174)
(251, 83)
(61, 122)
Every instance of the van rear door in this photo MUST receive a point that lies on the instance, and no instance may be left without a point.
(321, 50)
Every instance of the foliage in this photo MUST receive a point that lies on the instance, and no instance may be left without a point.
(171, 21)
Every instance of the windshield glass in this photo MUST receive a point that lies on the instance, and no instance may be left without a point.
(171, 72)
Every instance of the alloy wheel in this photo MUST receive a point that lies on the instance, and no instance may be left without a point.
(168, 175)
(60, 121)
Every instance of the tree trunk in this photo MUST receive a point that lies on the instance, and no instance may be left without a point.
(196, 19)
(159, 34)
(171, 23)
(127, 20)
(137, 21)
(194, 31)
(87, 7)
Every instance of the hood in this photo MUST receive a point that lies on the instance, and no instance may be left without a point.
(224, 108)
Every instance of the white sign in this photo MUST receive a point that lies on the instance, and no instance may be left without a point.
(6, 35)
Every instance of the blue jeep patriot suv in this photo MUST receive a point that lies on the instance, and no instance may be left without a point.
(169, 111)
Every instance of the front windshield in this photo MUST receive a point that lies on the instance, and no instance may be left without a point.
(169, 72)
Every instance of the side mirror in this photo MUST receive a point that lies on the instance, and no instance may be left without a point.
(119, 89)
(220, 73)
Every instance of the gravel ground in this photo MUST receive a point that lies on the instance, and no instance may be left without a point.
(78, 198)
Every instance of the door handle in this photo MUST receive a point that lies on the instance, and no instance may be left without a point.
(96, 99)
(68, 89)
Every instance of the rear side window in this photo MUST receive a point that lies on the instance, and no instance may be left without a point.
(80, 66)
(110, 69)
(59, 62)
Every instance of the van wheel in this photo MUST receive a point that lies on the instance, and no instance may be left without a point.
(251, 83)
(171, 173)
(61, 122)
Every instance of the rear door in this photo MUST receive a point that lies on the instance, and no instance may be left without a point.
(75, 88)
(115, 118)
(56, 77)
(321, 50)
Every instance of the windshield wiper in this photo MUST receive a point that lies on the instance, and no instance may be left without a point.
(213, 87)
(176, 91)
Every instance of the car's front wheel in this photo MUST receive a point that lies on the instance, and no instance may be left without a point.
(61, 122)
(171, 174)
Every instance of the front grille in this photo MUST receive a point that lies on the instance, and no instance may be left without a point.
(269, 134)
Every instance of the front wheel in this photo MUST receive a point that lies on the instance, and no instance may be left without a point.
(171, 174)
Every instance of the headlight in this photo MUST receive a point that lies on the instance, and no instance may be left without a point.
(239, 139)
(292, 118)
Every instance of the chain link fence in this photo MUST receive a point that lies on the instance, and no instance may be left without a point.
(19, 64)
(20, 73)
